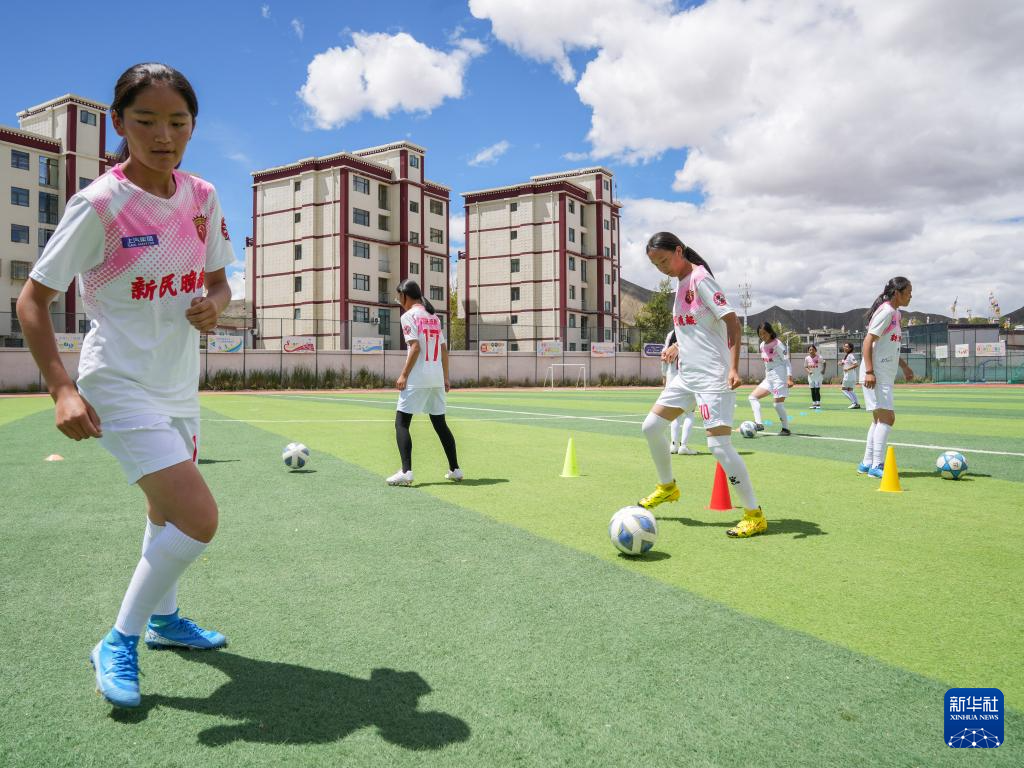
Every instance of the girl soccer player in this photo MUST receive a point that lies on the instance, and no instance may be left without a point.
(880, 357)
(423, 381)
(849, 366)
(680, 432)
(815, 368)
(145, 240)
(778, 377)
(707, 342)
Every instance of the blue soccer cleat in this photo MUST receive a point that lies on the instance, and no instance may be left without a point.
(116, 661)
(174, 631)
(876, 471)
(863, 469)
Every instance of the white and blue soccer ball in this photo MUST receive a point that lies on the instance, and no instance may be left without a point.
(295, 455)
(951, 465)
(748, 429)
(633, 530)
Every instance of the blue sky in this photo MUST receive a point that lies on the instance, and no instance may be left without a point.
(813, 148)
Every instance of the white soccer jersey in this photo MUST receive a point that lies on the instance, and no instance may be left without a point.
(419, 325)
(666, 368)
(885, 324)
(849, 362)
(140, 260)
(700, 333)
(776, 359)
(813, 364)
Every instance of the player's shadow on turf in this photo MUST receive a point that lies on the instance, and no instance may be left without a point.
(801, 528)
(929, 473)
(650, 557)
(277, 703)
(217, 461)
(468, 481)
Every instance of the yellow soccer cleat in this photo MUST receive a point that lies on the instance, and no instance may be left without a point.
(753, 523)
(664, 492)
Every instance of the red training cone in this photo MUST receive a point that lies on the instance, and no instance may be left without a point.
(721, 501)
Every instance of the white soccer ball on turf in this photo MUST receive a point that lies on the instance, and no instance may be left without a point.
(951, 465)
(633, 530)
(748, 429)
(295, 455)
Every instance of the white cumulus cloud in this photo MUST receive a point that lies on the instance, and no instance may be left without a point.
(237, 282)
(298, 28)
(489, 155)
(265, 10)
(381, 74)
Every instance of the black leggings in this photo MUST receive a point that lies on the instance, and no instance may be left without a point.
(815, 394)
(404, 439)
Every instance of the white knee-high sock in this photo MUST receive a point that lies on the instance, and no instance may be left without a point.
(780, 408)
(169, 602)
(656, 431)
(847, 394)
(687, 426)
(755, 406)
(881, 438)
(722, 448)
(869, 445)
(166, 558)
(675, 431)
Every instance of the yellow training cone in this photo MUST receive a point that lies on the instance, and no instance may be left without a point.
(570, 468)
(891, 473)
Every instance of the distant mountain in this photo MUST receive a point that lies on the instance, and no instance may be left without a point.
(805, 320)
(1016, 317)
(633, 297)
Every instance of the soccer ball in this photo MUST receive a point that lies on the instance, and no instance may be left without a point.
(951, 465)
(748, 429)
(295, 455)
(633, 530)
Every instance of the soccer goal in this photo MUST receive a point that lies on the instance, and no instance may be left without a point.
(579, 369)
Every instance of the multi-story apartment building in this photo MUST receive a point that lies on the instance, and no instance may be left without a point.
(333, 236)
(58, 148)
(542, 261)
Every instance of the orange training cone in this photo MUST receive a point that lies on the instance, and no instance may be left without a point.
(721, 501)
(891, 473)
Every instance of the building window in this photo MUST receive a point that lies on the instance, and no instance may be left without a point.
(436, 235)
(359, 184)
(572, 263)
(359, 216)
(513, 207)
(607, 225)
(383, 222)
(414, 161)
(513, 235)
(414, 237)
(297, 313)
(297, 251)
(583, 297)
(384, 321)
(513, 347)
(414, 268)
(613, 225)
(607, 184)
(436, 265)
(414, 206)
(613, 248)
(572, 291)
(297, 218)
(20, 270)
(583, 271)
(436, 293)
(360, 249)
(514, 320)
(607, 334)
(572, 321)
(83, 183)
(382, 198)
(572, 346)
(44, 236)
(19, 160)
(614, 301)
(298, 185)
(361, 314)
(48, 172)
(360, 282)
(298, 284)
(87, 117)
(19, 196)
(514, 265)
(572, 235)
(436, 206)
(607, 279)
(47, 208)
(607, 251)
(19, 233)
(515, 294)
(572, 206)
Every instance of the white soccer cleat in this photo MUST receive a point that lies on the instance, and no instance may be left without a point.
(455, 475)
(400, 478)
(685, 450)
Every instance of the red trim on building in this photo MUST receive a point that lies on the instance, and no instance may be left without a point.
(465, 288)
(516, 226)
(516, 282)
(103, 142)
(70, 187)
(318, 164)
(296, 208)
(298, 271)
(254, 247)
(403, 216)
(527, 189)
(563, 265)
(343, 238)
(43, 145)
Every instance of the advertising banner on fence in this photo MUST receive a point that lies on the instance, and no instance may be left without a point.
(653, 350)
(367, 345)
(990, 349)
(223, 343)
(602, 349)
(549, 349)
(69, 342)
(493, 348)
(942, 352)
(962, 350)
(299, 344)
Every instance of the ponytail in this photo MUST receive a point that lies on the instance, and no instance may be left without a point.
(411, 289)
(894, 286)
(666, 241)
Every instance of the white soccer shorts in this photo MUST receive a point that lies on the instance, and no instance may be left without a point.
(775, 385)
(422, 400)
(716, 408)
(850, 379)
(148, 443)
(880, 396)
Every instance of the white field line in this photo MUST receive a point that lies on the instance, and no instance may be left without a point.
(619, 420)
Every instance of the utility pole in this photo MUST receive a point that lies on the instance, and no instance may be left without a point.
(745, 303)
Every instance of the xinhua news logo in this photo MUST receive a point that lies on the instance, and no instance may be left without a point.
(974, 718)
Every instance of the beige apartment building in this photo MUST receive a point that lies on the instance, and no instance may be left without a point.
(333, 236)
(542, 261)
(58, 148)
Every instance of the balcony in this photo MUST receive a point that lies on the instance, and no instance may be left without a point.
(384, 265)
(383, 298)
